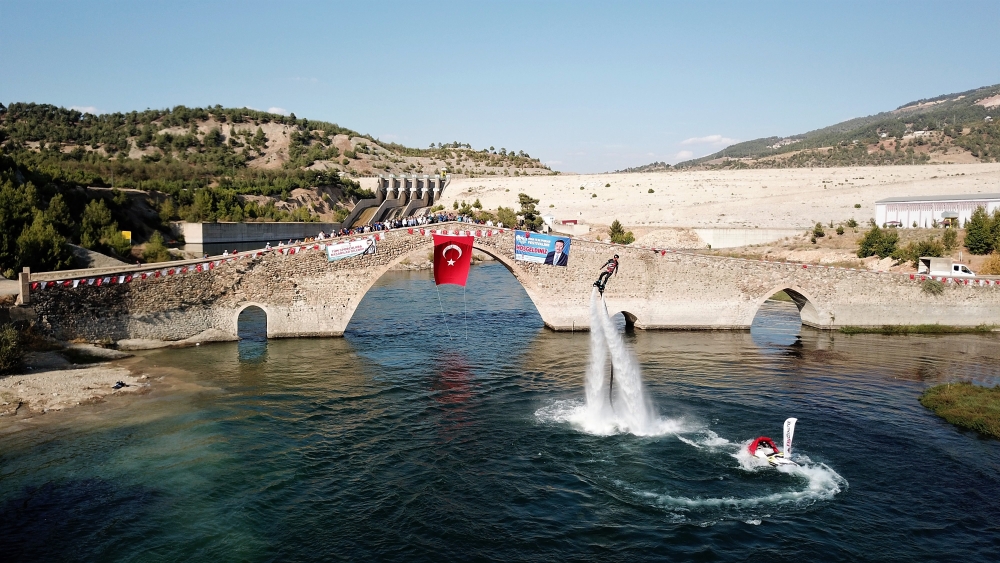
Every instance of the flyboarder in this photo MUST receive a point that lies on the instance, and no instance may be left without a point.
(607, 270)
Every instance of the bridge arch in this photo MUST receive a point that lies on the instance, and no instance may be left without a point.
(247, 305)
(630, 320)
(427, 245)
(809, 313)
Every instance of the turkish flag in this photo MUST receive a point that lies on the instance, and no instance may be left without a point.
(452, 258)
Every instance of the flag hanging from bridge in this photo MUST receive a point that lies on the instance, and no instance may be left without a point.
(452, 258)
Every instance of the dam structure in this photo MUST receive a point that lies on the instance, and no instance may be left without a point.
(303, 294)
(397, 197)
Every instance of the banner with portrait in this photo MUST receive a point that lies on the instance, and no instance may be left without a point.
(541, 249)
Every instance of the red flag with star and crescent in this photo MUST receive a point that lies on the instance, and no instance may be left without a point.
(452, 258)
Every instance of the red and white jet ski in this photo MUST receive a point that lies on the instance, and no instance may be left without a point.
(765, 448)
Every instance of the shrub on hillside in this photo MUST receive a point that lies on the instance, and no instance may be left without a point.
(915, 249)
(949, 239)
(11, 350)
(156, 250)
(991, 267)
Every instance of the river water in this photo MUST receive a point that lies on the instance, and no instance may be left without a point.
(443, 430)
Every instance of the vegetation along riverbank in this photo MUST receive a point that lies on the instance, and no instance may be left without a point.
(966, 405)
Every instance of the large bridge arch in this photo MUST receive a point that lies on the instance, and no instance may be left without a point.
(809, 312)
(427, 244)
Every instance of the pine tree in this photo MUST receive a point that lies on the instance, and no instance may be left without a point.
(979, 232)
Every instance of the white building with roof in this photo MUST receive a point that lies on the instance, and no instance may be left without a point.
(925, 210)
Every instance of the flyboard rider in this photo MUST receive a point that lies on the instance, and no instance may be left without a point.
(609, 269)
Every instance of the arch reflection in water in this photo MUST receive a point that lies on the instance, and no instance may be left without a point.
(778, 322)
(252, 331)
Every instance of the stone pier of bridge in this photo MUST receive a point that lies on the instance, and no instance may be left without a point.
(305, 295)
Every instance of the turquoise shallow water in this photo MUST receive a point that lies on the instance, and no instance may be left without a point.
(430, 435)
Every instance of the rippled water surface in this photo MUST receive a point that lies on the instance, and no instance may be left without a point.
(437, 430)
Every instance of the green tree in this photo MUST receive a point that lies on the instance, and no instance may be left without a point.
(949, 239)
(96, 217)
(203, 207)
(167, 210)
(15, 215)
(155, 249)
(41, 247)
(114, 240)
(59, 216)
(979, 232)
(877, 242)
(507, 216)
(259, 139)
(532, 221)
(619, 235)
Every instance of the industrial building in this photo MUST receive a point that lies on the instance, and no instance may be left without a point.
(924, 211)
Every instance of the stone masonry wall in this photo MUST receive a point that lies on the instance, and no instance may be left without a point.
(304, 295)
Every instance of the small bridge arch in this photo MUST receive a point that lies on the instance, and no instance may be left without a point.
(248, 307)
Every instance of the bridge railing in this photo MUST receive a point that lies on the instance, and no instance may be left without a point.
(30, 281)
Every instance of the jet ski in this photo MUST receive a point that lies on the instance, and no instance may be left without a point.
(765, 448)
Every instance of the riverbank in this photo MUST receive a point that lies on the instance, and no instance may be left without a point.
(967, 406)
(77, 375)
(889, 330)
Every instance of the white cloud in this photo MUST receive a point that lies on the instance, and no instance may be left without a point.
(684, 155)
(85, 109)
(553, 162)
(714, 140)
(279, 111)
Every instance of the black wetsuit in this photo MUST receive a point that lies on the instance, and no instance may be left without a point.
(610, 267)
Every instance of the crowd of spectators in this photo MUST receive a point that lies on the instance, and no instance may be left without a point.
(439, 217)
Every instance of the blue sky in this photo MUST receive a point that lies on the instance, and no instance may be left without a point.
(585, 86)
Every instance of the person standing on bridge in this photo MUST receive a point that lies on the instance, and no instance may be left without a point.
(607, 270)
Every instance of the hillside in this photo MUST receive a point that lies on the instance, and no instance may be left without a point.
(953, 128)
(71, 177)
(216, 139)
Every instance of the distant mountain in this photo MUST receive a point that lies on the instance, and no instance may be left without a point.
(961, 127)
(651, 167)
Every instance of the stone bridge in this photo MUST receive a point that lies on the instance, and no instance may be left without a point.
(305, 295)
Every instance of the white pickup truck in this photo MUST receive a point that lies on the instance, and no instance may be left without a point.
(943, 267)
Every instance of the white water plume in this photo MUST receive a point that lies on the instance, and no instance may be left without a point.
(596, 384)
(616, 400)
